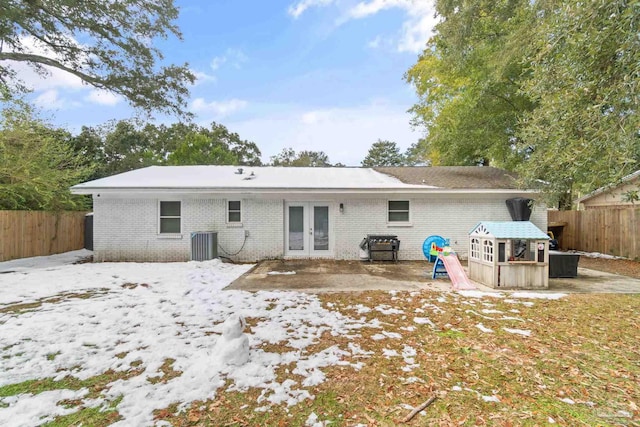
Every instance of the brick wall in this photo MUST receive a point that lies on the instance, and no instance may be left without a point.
(450, 218)
(127, 229)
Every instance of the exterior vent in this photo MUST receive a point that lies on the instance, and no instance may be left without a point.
(204, 245)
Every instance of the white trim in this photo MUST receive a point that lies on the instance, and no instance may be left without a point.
(475, 249)
(406, 223)
(280, 190)
(159, 217)
(488, 256)
(307, 230)
(399, 224)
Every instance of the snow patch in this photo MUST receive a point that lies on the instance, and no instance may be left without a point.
(141, 314)
(484, 328)
(424, 321)
(522, 332)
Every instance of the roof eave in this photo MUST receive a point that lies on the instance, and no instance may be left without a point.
(276, 190)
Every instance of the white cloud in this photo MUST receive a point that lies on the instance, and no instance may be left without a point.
(412, 36)
(375, 43)
(234, 57)
(297, 9)
(202, 77)
(103, 97)
(364, 9)
(345, 134)
(49, 100)
(55, 77)
(217, 61)
(315, 117)
(417, 27)
(217, 109)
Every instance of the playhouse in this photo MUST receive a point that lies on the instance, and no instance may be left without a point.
(509, 255)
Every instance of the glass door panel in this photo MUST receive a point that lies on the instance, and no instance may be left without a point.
(321, 228)
(296, 238)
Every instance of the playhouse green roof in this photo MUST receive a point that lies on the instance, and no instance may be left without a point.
(509, 230)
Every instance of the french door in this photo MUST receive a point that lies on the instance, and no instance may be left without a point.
(308, 229)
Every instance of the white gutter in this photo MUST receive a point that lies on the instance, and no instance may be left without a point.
(195, 190)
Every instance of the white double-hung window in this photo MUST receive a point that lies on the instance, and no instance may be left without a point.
(170, 217)
(398, 211)
(234, 211)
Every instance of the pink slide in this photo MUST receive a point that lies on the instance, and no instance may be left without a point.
(456, 273)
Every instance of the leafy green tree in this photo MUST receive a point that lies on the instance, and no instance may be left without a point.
(198, 149)
(125, 148)
(107, 44)
(468, 83)
(585, 79)
(384, 153)
(89, 146)
(305, 158)
(547, 88)
(417, 154)
(192, 144)
(38, 165)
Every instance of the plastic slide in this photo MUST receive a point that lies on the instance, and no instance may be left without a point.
(458, 277)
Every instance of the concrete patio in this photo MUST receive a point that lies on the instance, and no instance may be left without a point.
(340, 276)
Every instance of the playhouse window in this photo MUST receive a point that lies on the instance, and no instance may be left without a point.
(234, 211)
(170, 217)
(487, 250)
(398, 211)
(475, 248)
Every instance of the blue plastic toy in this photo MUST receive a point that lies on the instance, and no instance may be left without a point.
(431, 245)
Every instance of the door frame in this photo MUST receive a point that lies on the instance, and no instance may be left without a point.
(308, 217)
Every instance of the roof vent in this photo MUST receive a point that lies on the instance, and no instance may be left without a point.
(239, 171)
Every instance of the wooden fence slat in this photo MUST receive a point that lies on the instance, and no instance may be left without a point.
(37, 233)
(608, 231)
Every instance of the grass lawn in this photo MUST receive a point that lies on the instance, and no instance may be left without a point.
(119, 350)
(580, 365)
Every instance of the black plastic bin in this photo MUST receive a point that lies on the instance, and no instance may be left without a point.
(563, 264)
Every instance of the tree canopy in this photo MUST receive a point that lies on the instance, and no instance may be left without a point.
(548, 88)
(107, 44)
(467, 80)
(305, 158)
(123, 146)
(384, 153)
(38, 165)
(585, 81)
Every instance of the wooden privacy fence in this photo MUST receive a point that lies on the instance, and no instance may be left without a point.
(35, 233)
(608, 231)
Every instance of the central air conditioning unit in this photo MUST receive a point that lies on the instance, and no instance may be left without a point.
(204, 245)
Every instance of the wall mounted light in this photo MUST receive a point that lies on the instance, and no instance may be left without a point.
(341, 207)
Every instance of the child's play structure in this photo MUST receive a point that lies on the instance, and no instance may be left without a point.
(446, 263)
(509, 255)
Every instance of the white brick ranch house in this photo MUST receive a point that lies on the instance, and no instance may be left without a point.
(276, 212)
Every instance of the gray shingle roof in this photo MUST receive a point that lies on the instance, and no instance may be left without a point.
(454, 177)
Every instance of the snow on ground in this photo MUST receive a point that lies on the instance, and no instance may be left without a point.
(85, 319)
(142, 313)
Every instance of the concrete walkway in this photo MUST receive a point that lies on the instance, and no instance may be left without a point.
(340, 276)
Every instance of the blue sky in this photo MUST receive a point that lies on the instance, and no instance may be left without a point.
(321, 75)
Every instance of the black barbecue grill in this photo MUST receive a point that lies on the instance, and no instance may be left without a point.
(382, 244)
